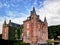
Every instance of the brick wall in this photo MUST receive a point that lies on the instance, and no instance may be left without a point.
(5, 32)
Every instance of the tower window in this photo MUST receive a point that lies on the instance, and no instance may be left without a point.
(5, 33)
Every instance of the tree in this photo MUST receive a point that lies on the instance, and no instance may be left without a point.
(53, 31)
(19, 32)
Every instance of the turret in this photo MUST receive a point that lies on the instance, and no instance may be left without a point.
(33, 9)
(45, 21)
(5, 22)
(33, 12)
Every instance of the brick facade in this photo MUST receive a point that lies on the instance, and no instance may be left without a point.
(9, 31)
(35, 30)
(5, 29)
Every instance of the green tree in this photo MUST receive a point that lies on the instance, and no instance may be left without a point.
(19, 32)
(53, 31)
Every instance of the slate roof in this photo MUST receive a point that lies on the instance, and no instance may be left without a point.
(14, 24)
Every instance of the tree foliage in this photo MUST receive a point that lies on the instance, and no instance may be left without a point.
(19, 32)
(54, 31)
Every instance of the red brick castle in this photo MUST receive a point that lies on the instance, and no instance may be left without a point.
(35, 30)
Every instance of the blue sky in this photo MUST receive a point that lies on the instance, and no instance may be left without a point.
(18, 6)
(11, 9)
(19, 10)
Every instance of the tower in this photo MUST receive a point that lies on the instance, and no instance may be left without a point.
(5, 31)
(35, 30)
(5, 22)
(45, 29)
(33, 12)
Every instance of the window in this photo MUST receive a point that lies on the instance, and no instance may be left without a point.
(38, 33)
(43, 35)
(15, 33)
(27, 25)
(5, 33)
(34, 32)
(27, 34)
(44, 30)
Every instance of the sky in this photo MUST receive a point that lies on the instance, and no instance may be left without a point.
(18, 10)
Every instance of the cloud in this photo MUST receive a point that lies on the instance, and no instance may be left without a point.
(18, 18)
(10, 13)
(35, 2)
(1, 5)
(14, 16)
(50, 9)
(4, 5)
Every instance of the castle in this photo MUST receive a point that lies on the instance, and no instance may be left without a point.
(35, 30)
(10, 30)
